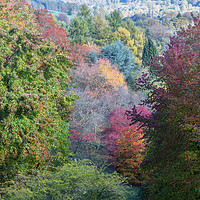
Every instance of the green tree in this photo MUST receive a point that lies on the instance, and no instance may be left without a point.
(102, 33)
(149, 52)
(79, 30)
(115, 20)
(82, 26)
(34, 108)
(85, 14)
(75, 180)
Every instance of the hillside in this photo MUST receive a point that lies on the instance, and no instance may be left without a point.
(55, 5)
(127, 7)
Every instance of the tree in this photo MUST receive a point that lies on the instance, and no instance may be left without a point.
(130, 154)
(136, 44)
(118, 121)
(79, 53)
(81, 27)
(62, 17)
(48, 29)
(100, 88)
(173, 129)
(149, 53)
(123, 35)
(75, 180)
(79, 30)
(115, 20)
(102, 34)
(121, 55)
(111, 75)
(34, 110)
(118, 124)
(86, 15)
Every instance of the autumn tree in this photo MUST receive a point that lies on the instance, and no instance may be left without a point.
(78, 53)
(133, 38)
(100, 88)
(173, 129)
(130, 154)
(123, 35)
(48, 29)
(34, 110)
(118, 123)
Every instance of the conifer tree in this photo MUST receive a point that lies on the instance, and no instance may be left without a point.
(121, 55)
(81, 27)
(79, 30)
(115, 20)
(102, 33)
(149, 52)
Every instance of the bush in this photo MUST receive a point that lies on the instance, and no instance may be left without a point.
(76, 180)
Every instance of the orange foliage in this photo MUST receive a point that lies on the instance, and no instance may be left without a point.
(111, 74)
(130, 153)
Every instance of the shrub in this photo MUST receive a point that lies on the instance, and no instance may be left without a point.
(76, 180)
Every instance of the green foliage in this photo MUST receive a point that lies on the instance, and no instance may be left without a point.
(79, 30)
(149, 52)
(76, 180)
(85, 13)
(115, 20)
(34, 108)
(81, 27)
(102, 33)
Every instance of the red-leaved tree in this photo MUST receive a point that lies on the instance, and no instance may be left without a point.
(174, 126)
(118, 123)
(48, 29)
(130, 154)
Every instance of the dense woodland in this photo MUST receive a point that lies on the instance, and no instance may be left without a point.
(103, 109)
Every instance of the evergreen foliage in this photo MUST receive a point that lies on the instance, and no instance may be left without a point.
(149, 52)
(102, 33)
(79, 30)
(81, 27)
(115, 20)
(120, 55)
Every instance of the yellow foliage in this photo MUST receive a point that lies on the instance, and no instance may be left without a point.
(112, 75)
(135, 42)
(123, 35)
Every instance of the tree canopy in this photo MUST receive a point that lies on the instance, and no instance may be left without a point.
(34, 109)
